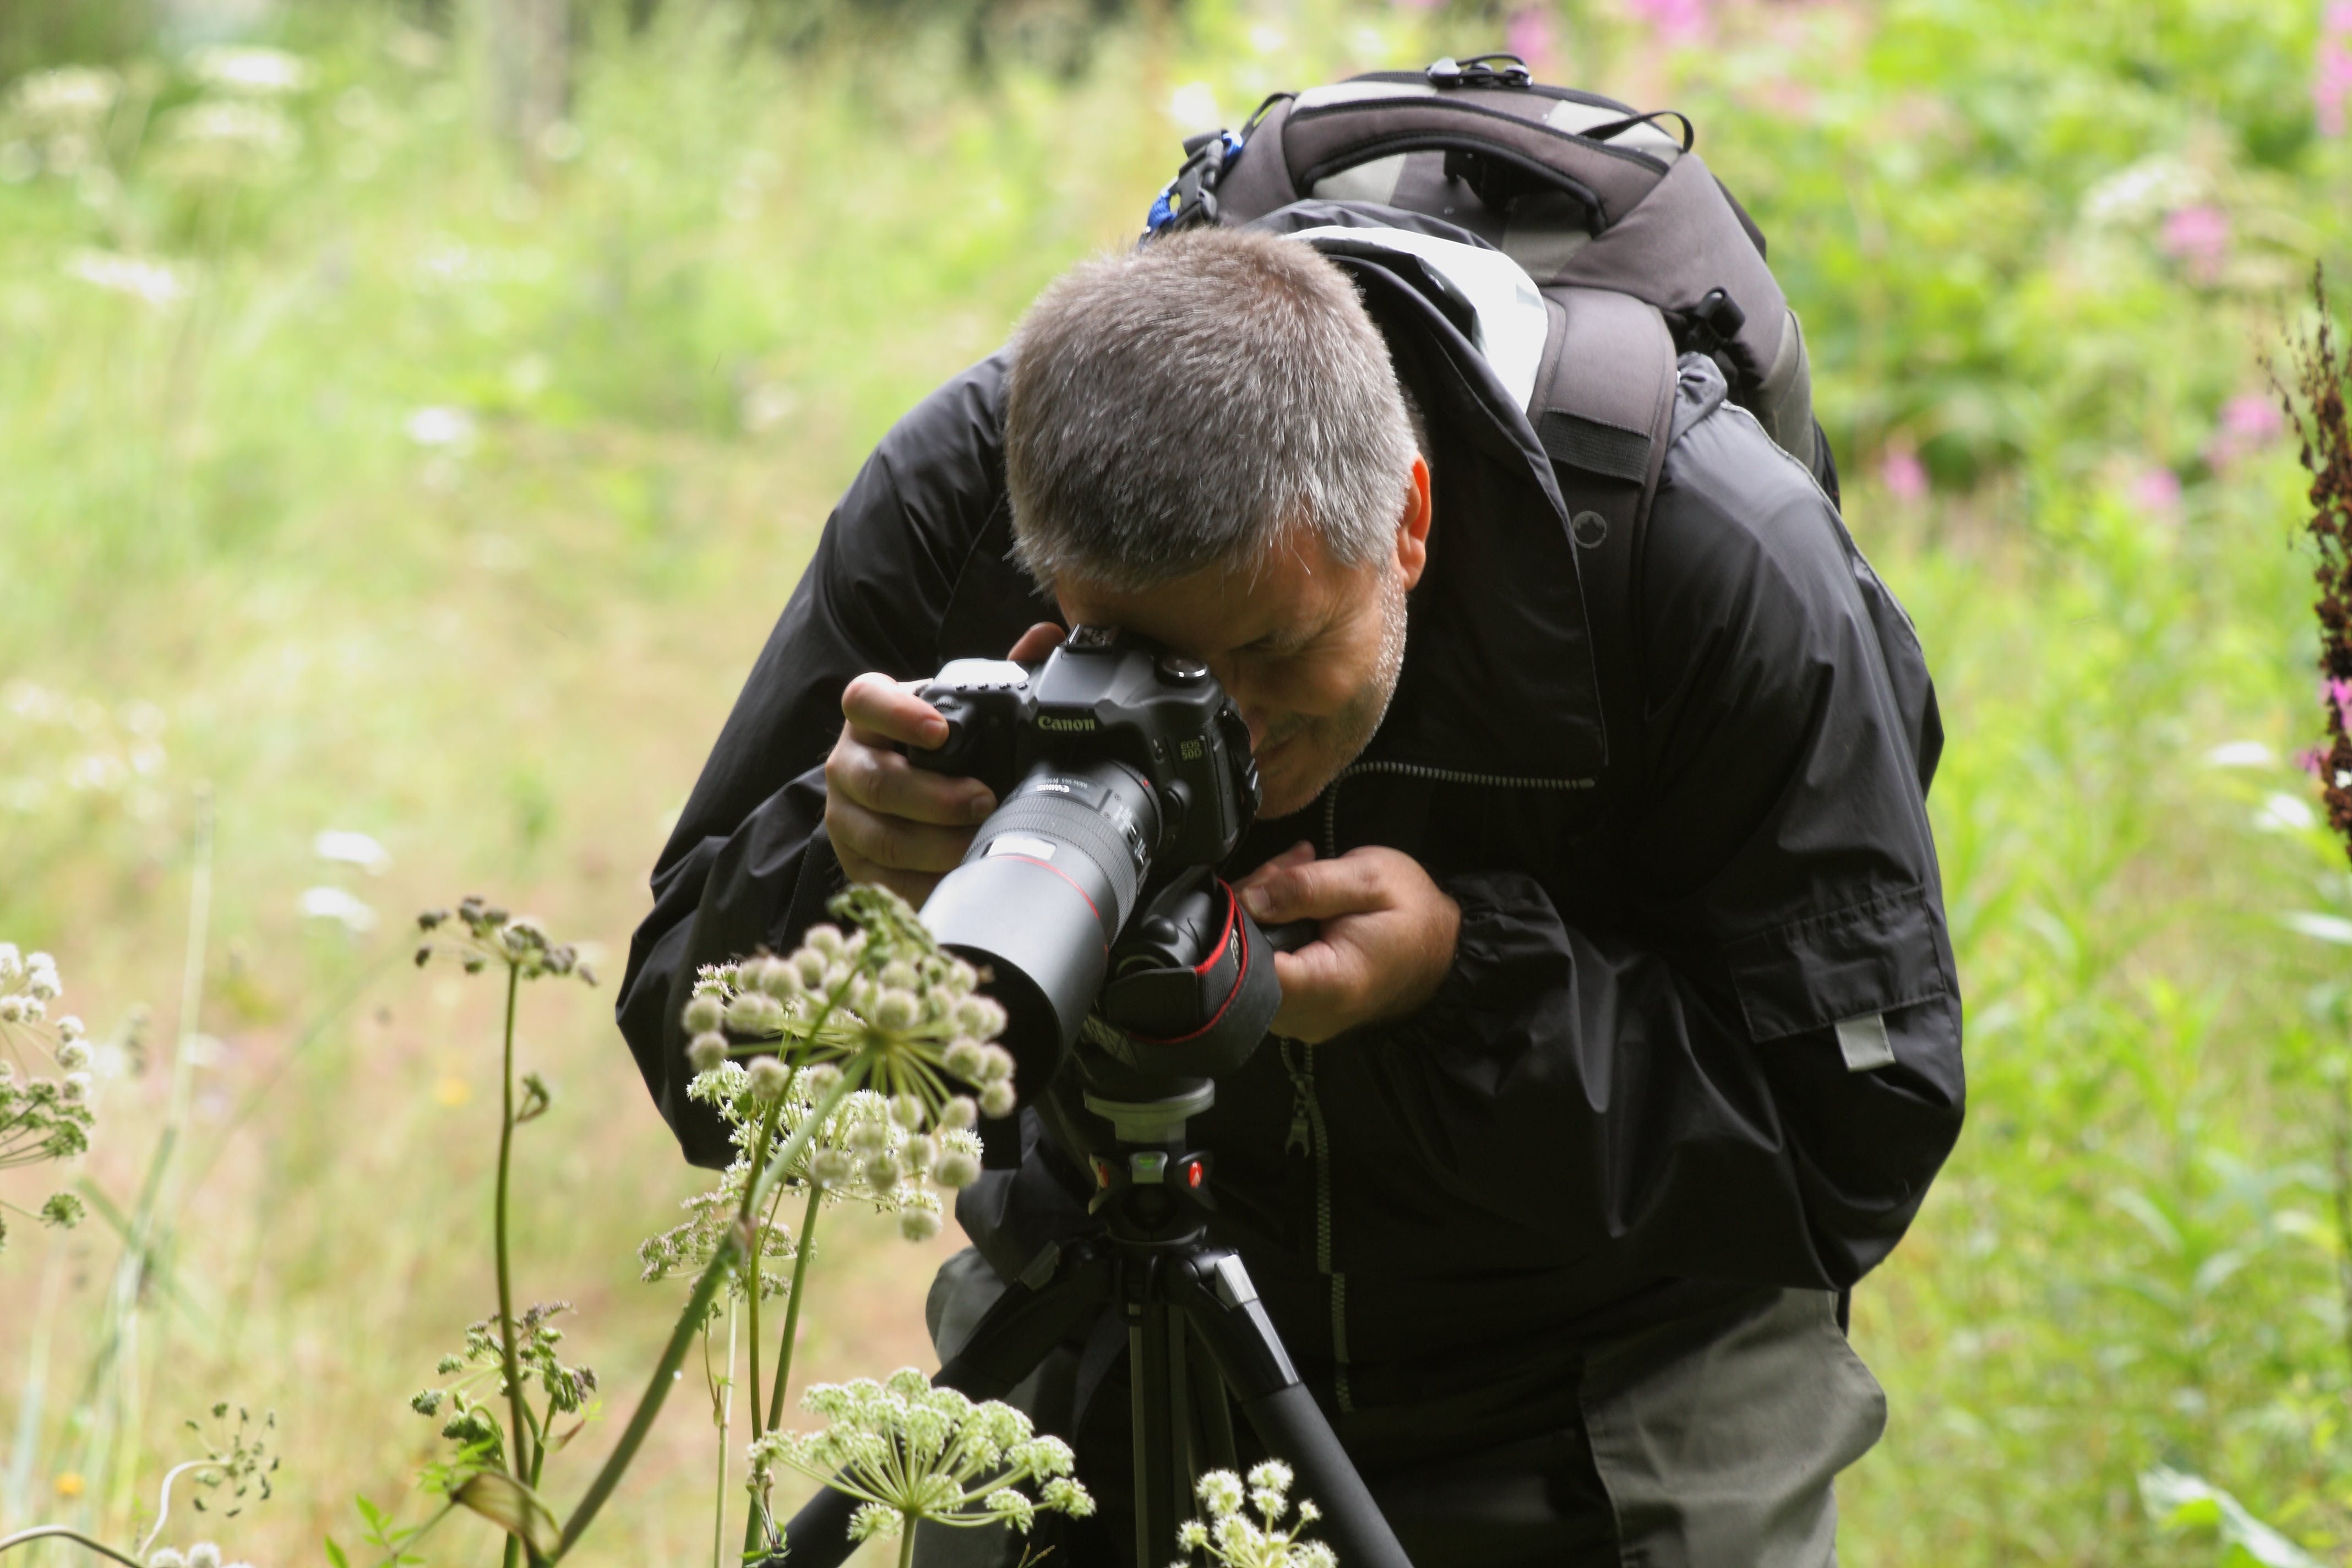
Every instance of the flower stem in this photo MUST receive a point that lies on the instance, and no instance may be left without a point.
(519, 1458)
(907, 1544)
(784, 1343)
(697, 1306)
(726, 1409)
(791, 1335)
(59, 1533)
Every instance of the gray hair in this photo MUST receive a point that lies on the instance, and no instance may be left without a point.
(1189, 403)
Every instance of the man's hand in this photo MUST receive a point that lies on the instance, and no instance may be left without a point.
(890, 821)
(1387, 940)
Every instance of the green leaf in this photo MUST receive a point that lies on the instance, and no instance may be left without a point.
(376, 1518)
(2179, 1501)
(335, 1555)
(513, 1508)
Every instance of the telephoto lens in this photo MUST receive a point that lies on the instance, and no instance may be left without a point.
(1048, 884)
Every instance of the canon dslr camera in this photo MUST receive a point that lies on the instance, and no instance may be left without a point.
(1123, 775)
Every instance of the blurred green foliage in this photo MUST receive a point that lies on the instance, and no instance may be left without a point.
(391, 477)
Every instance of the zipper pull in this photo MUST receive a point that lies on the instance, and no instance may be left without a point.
(1301, 1141)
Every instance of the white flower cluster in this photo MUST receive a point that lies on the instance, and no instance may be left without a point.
(912, 1454)
(481, 934)
(57, 120)
(1234, 1540)
(203, 1555)
(882, 1000)
(45, 1077)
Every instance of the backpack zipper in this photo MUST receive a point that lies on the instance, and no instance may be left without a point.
(1308, 1136)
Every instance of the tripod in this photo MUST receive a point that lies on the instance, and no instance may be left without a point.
(1179, 1297)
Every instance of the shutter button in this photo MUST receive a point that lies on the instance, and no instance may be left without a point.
(1177, 666)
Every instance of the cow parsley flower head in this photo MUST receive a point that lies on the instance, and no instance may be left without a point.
(479, 933)
(46, 1088)
(880, 997)
(1232, 1538)
(912, 1454)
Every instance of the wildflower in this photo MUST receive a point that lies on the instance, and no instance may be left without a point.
(1903, 474)
(767, 1078)
(482, 935)
(707, 1052)
(42, 1117)
(64, 1211)
(262, 73)
(1232, 1538)
(203, 1554)
(2199, 237)
(169, 1557)
(912, 1454)
(2331, 82)
(2327, 431)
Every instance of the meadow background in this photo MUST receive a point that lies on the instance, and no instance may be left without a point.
(396, 444)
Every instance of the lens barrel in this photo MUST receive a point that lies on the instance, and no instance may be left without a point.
(1048, 884)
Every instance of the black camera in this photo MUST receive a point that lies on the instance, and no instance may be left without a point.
(1123, 775)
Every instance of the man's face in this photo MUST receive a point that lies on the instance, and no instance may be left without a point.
(1308, 650)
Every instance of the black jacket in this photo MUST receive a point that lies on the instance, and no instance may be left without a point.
(1686, 849)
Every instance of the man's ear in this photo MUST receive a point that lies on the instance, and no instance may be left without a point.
(1412, 527)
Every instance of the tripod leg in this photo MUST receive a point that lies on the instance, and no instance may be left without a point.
(1150, 1406)
(1216, 1290)
(1216, 1450)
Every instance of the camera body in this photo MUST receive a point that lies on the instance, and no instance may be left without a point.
(1122, 774)
(1105, 695)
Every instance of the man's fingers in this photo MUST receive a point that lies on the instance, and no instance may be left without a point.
(887, 784)
(892, 842)
(1318, 890)
(1036, 642)
(882, 711)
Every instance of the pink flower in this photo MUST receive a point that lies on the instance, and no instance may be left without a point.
(2249, 422)
(2331, 81)
(1675, 21)
(1529, 37)
(2158, 489)
(1903, 474)
(2199, 235)
(2340, 693)
(2311, 759)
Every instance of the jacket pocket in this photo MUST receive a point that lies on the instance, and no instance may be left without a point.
(1866, 958)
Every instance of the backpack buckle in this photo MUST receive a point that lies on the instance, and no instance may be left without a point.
(1190, 198)
(1479, 70)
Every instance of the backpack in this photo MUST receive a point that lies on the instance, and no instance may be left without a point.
(1639, 251)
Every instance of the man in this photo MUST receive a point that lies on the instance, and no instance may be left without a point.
(1631, 1038)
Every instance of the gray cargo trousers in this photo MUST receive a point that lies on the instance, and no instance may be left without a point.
(1708, 1441)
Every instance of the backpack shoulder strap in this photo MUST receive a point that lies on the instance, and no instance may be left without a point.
(1604, 410)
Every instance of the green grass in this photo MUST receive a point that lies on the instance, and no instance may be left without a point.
(505, 656)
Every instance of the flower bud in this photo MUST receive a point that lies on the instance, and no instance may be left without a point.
(995, 1064)
(808, 964)
(921, 1153)
(918, 1224)
(12, 963)
(747, 1014)
(956, 1169)
(169, 1557)
(906, 1109)
(822, 1079)
(898, 975)
(825, 939)
(881, 1172)
(829, 1168)
(426, 1401)
(894, 1010)
(707, 1052)
(996, 1100)
(76, 1088)
(958, 1112)
(705, 1013)
(867, 1135)
(12, 1009)
(778, 979)
(962, 1058)
(70, 1028)
(769, 1077)
(73, 1055)
(203, 1554)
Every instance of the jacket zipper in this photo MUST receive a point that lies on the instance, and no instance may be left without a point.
(1422, 771)
(1309, 1136)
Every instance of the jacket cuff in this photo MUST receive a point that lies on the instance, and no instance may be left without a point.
(1512, 947)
